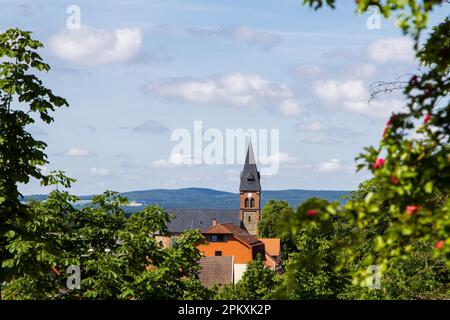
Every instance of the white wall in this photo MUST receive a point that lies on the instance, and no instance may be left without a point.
(239, 270)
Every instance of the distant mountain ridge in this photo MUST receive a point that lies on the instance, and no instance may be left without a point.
(203, 198)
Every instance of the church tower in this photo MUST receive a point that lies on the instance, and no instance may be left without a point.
(250, 194)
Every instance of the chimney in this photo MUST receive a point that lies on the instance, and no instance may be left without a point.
(214, 222)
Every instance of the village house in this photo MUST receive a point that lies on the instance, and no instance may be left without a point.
(231, 237)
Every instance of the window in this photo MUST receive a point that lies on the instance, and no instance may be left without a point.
(217, 238)
(218, 253)
(246, 202)
(249, 218)
(252, 203)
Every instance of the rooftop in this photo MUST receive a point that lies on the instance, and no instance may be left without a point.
(250, 175)
(186, 219)
(216, 270)
(239, 233)
(272, 246)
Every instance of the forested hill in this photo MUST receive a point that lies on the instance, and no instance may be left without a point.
(201, 198)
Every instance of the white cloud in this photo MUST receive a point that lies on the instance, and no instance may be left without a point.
(391, 49)
(236, 89)
(175, 159)
(90, 46)
(290, 108)
(306, 70)
(244, 34)
(314, 139)
(195, 178)
(232, 172)
(353, 96)
(375, 108)
(309, 126)
(77, 152)
(363, 70)
(340, 53)
(280, 158)
(99, 172)
(232, 175)
(334, 91)
(330, 166)
(316, 132)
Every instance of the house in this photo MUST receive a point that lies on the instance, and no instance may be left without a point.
(241, 240)
(216, 270)
(230, 240)
(231, 237)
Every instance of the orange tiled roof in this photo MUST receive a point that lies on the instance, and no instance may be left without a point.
(218, 229)
(272, 246)
(239, 233)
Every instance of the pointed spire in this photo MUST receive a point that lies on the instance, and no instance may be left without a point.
(250, 175)
(250, 155)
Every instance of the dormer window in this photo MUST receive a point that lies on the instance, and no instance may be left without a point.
(217, 238)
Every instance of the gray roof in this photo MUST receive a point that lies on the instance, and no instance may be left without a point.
(186, 219)
(250, 175)
(216, 270)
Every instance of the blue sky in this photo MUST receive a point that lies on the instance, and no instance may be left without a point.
(137, 70)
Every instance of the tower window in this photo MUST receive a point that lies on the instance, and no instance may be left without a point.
(252, 203)
(246, 202)
(218, 253)
(249, 218)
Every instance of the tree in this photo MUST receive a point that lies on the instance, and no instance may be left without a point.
(22, 95)
(273, 215)
(420, 276)
(119, 257)
(412, 159)
(315, 271)
(257, 283)
(311, 270)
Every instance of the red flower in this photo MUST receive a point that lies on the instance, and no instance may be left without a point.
(378, 163)
(439, 245)
(394, 180)
(413, 81)
(412, 209)
(427, 118)
(388, 124)
(311, 212)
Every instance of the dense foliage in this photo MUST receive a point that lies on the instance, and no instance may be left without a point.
(412, 162)
(314, 268)
(398, 222)
(257, 283)
(118, 257)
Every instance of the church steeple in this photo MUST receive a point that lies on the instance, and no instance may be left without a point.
(250, 194)
(250, 175)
